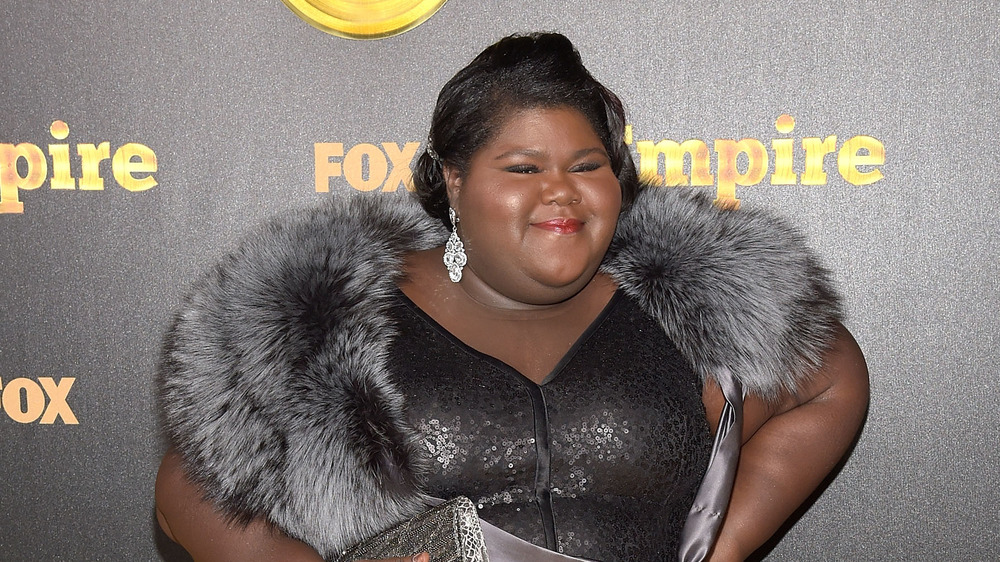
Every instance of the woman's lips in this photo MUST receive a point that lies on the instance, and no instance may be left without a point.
(560, 226)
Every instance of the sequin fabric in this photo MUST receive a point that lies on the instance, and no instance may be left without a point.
(601, 461)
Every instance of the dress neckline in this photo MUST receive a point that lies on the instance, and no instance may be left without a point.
(559, 366)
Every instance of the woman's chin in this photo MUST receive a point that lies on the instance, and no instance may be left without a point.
(564, 282)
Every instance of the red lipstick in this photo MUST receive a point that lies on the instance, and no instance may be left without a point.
(560, 225)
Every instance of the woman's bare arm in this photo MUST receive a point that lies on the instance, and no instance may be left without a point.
(789, 448)
(194, 523)
(208, 536)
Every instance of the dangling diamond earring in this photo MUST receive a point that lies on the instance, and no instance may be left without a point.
(454, 250)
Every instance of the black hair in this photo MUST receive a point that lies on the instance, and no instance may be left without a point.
(517, 72)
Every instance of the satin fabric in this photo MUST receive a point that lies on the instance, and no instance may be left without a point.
(712, 501)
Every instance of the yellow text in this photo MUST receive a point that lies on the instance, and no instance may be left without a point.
(746, 162)
(132, 166)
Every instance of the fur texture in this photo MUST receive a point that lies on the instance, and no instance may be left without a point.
(273, 384)
(735, 290)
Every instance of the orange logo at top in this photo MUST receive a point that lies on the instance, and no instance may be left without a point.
(364, 19)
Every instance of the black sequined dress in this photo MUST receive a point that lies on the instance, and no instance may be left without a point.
(601, 460)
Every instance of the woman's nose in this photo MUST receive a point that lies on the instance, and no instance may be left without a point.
(561, 190)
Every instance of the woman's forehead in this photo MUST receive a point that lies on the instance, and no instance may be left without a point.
(534, 128)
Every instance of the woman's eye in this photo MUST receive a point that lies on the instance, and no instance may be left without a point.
(586, 167)
(523, 169)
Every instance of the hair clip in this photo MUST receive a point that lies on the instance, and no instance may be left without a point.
(430, 151)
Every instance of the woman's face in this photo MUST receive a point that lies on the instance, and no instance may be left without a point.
(537, 206)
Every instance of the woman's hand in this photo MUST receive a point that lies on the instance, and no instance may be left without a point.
(790, 447)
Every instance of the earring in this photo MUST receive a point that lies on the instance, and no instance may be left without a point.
(454, 251)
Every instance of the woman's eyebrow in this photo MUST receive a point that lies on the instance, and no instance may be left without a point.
(588, 151)
(533, 152)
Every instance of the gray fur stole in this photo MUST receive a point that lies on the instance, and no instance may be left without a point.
(273, 384)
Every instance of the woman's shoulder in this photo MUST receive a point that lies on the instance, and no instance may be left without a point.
(424, 276)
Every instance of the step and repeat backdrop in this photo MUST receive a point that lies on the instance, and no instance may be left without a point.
(140, 140)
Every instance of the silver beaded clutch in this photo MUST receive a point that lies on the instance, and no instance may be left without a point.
(450, 532)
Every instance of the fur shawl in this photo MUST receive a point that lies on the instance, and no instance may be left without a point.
(273, 385)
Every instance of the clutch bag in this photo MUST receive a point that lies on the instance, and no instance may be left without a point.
(450, 532)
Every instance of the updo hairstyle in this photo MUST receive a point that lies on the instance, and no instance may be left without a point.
(539, 70)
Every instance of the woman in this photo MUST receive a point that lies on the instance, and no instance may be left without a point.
(558, 361)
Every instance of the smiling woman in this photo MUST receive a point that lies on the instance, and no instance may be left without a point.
(564, 360)
(539, 205)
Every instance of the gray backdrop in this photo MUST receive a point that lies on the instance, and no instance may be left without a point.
(232, 97)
